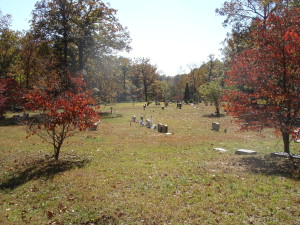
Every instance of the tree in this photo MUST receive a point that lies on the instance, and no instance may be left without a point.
(11, 95)
(9, 47)
(144, 76)
(212, 92)
(242, 13)
(79, 31)
(244, 16)
(187, 96)
(268, 77)
(60, 116)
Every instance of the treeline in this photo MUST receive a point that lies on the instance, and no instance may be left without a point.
(84, 37)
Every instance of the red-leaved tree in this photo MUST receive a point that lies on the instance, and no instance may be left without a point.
(60, 113)
(11, 95)
(267, 78)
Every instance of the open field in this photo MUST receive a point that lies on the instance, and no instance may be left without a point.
(127, 174)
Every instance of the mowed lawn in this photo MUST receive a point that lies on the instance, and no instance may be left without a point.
(127, 174)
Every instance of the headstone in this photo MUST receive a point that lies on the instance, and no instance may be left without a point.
(215, 126)
(285, 155)
(111, 110)
(133, 119)
(159, 127)
(94, 127)
(153, 127)
(148, 123)
(162, 107)
(164, 129)
(221, 149)
(245, 152)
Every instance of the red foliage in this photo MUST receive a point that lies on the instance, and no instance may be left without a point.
(60, 115)
(11, 95)
(267, 77)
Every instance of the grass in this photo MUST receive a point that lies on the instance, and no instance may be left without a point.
(127, 174)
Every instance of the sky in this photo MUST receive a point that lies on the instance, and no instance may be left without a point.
(175, 35)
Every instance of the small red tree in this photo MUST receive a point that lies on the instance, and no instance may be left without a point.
(60, 114)
(267, 78)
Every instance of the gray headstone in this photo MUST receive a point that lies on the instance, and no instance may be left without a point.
(153, 127)
(245, 152)
(215, 126)
(133, 119)
(159, 127)
(164, 129)
(148, 123)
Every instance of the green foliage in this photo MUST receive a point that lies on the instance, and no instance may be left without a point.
(144, 78)
(187, 96)
(9, 47)
(212, 92)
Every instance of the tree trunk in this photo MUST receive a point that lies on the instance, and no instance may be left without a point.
(217, 109)
(286, 141)
(57, 150)
(80, 58)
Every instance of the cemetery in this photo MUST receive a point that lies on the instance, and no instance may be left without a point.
(105, 123)
(128, 170)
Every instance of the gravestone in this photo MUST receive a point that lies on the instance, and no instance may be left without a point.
(148, 123)
(285, 155)
(245, 152)
(133, 119)
(164, 129)
(215, 126)
(153, 127)
(159, 127)
(94, 127)
(221, 149)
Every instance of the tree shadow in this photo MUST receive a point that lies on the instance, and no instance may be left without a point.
(269, 165)
(108, 115)
(214, 115)
(12, 121)
(40, 168)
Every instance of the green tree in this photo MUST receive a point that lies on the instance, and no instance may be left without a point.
(187, 96)
(79, 31)
(144, 76)
(9, 47)
(212, 92)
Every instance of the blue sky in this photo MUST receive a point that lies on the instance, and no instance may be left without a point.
(174, 34)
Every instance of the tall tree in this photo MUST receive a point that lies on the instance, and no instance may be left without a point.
(213, 92)
(268, 75)
(144, 75)
(78, 30)
(187, 96)
(9, 40)
(241, 13)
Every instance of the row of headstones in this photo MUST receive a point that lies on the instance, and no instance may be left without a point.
(162, 128)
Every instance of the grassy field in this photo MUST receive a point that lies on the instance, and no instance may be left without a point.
(127, 174)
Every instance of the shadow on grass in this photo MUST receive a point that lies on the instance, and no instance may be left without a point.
(9, 122)
(269, 165)
(40, 168)
(214, 115)
(107, 115)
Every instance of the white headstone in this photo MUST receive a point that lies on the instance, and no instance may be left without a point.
(220, 149)
(245, 152)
